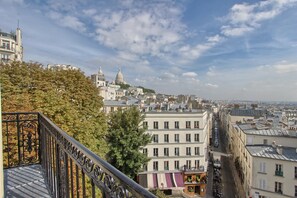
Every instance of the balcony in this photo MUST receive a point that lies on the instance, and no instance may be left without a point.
(279, 173)
(41, 160)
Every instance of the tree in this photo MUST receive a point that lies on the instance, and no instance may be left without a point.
(126, 137)
(67, 97)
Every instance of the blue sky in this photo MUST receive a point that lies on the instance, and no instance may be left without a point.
(214, 49)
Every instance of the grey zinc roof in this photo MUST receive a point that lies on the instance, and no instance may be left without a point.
(289, 153)
(120, 103)
(251, 130)
(269, 132)
(247, 112)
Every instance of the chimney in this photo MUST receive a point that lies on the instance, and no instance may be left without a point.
(273, 144)
(279, 149)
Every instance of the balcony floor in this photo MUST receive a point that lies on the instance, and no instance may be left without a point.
(25, 182)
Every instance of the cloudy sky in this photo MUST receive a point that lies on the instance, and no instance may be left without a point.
(214, 49)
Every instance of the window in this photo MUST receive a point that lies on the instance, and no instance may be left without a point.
(278, 187)
(145, 151)
(278, 170)
(155, 165)
(176, 151)
(196, 137)
(188, 124)
(265, 141)
(144, 167)
(156, 125)
(166, 138)
(197, 164)
(197, 151)
(295, 172)
(196, 124)
(188, 137)
(155, 138)
(166, 165)
(188, 164)
(262, 167)
(166, 125)
(262, 184)
(145, 125)
(176, 137)
(295, 191)
(188, 150)
(166, 151)
(156, 152)
(176, 124)
(176, 165)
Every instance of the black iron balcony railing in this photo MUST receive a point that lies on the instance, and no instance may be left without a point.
(70, 169)
(279, 173)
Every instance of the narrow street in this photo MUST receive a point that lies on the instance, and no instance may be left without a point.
(228, 183)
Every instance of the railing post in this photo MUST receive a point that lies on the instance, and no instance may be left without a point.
(18, 136)
(1, 154)
(40, 149)
(58, 176)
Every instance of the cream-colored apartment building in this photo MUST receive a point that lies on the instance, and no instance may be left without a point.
(11, 48)
(179, 142)
(273, 171)
(245, 135)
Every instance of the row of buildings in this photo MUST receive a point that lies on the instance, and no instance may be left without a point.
(263, 144)
(180, 133)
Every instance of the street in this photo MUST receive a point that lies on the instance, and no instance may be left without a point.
(228, 183)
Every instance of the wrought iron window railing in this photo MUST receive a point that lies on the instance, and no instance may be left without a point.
(279, 173)
(70, 169)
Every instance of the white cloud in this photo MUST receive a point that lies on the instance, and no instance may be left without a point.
(90, 12)
(235, 31)
(68, 21)
(190, 53)
(282, 67)
(190, 74)
(211, 85)
(215, 39)
(20, 2)
(286, 68)
(212, 71)
(141, 31)
(244, 18)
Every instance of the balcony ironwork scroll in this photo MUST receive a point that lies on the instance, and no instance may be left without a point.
(70, 169)
(20, 139)
(78, 171)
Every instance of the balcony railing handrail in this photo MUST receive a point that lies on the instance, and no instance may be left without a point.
(58, 152)
(123, 179)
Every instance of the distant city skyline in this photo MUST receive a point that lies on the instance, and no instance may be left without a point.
(234, 50)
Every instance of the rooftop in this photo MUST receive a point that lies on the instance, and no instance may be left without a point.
(288, 153)
(251, 130)
(247, 112)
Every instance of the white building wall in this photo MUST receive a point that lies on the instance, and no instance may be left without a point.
(183, 144)
(288, 179)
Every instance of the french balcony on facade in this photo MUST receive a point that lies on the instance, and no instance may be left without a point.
(279, 173)
(41, 160)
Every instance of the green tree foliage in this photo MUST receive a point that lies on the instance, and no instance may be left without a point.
(124, 86)
(146, 90)
(126, 137)
(67, 97)
(158, 193)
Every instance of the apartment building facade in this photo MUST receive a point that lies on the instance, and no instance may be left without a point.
(274, 171)
(179, 146)
(11, 48)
